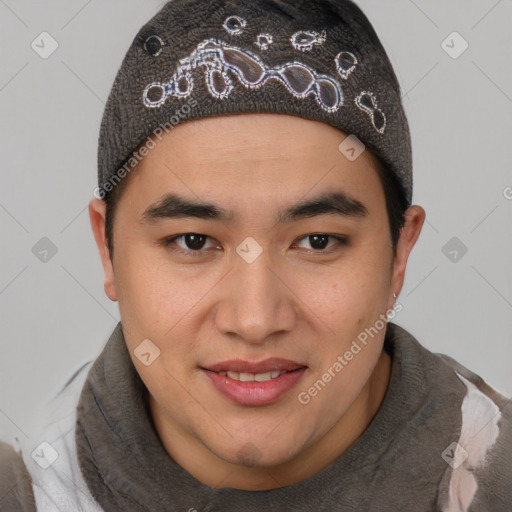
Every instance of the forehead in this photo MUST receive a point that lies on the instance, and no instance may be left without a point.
(254, 156)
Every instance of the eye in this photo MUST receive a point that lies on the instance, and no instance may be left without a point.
(192, 244)
(319, 241)
(188, 243)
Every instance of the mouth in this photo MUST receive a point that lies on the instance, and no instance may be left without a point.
(253, 377)
(251, 383)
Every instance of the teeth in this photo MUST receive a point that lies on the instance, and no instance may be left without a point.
(251, 377)
(262, 377)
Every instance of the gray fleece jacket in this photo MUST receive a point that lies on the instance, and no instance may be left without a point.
(441, 441)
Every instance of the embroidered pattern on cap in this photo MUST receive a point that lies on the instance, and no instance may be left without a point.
(346, 62)
(367, 102)
(264, 41)
(306, 40)
(218, 58)
(154, 45)
(234, 25)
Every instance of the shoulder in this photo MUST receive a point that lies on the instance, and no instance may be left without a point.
(481, 476)
(477, 476)
(50, 457)
(15, 482)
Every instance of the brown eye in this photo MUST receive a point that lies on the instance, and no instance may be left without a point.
(195, 242)
(190, 244)
(192, 241)
(319, 242)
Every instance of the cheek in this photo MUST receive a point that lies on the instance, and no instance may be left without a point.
(330, 392)
(348, 297)
(349, 309)
(153, 297)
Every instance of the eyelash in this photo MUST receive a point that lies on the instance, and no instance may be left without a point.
(340, 241)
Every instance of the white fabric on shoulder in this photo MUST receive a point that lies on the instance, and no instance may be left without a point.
(51, 458)
(479, 432)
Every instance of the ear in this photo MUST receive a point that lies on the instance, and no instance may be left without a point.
(414, 220)
(97, 214)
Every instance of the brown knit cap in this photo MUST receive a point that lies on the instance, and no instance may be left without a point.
(317, 59)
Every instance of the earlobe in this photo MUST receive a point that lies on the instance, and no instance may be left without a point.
(97, 213)
(415, 218)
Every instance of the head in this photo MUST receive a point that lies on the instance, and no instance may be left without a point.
(245, 233)
(304, 298)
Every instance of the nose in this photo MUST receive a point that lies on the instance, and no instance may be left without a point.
(256, 303)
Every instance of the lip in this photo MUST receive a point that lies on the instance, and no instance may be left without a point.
(255, 393)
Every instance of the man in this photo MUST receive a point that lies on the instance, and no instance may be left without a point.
(254, 222)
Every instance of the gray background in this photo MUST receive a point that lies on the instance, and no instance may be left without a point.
(55, 315)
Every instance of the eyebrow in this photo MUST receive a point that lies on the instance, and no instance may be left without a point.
(172, 206)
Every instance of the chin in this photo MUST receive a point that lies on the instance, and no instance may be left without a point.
(256, 454)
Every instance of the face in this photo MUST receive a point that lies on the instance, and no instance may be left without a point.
(286, 264)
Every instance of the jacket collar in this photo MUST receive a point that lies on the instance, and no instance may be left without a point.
(127, 468)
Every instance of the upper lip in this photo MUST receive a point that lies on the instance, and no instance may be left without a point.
(267, 365)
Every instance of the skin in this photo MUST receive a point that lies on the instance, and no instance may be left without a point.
(294, 301)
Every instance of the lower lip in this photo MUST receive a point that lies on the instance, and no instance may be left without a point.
(255, 393)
